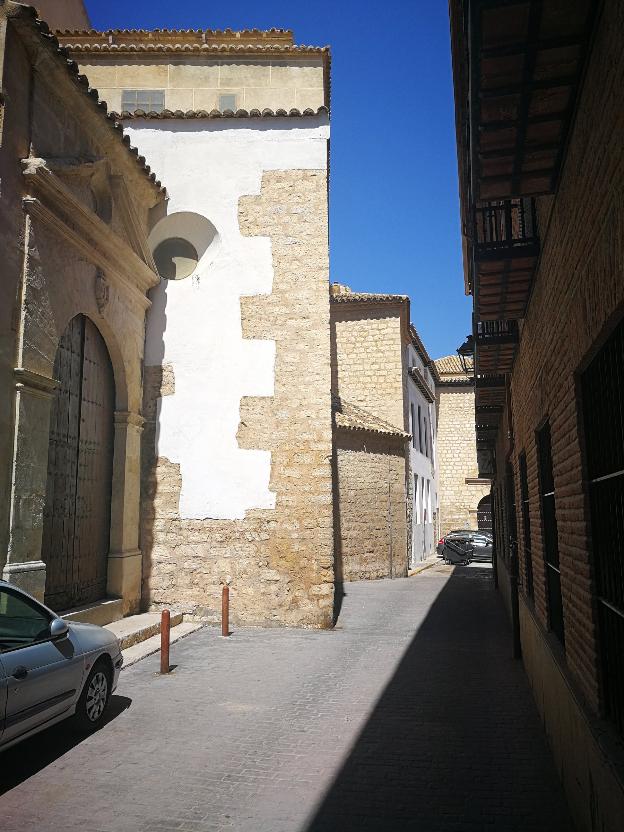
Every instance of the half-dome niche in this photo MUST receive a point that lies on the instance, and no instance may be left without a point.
(180, 241)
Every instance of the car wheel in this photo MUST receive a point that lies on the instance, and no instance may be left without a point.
(94, 698)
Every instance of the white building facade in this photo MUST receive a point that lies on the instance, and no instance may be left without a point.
(422, 453)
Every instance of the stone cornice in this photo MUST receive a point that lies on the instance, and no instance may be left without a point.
(418, 378)
(57, 206)
(33, 382)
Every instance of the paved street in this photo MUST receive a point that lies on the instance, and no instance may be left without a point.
(409, 716)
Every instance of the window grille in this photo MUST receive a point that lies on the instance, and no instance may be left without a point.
(420, 439)
(510, 513)
(413, 426)
(549, 533)
(150, 101)
(602, 390)
(526, 525)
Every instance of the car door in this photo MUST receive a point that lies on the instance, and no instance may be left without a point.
(3, 698)
(43, 675)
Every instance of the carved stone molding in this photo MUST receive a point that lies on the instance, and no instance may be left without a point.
(102, 291)
(34, 383)
(57, 206)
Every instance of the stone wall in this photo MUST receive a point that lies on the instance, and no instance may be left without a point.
(280, 560)
(196, 83)
(370, 513)
(367, 361)
(457, 458)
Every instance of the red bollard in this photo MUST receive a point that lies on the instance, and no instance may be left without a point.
(165, 627)
(225, 611)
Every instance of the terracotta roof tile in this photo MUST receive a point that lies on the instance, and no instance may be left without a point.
(352, 417)
(266, 113)
(28, 15)
(367, 297)
(186, 40)
(451, 365)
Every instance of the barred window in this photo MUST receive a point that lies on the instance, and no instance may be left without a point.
(526, 525)
(602, 391)
(549, 533)
(150, 101)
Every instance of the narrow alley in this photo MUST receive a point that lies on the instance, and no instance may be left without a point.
(410, 715)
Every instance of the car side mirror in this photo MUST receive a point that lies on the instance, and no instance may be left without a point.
(58, 628)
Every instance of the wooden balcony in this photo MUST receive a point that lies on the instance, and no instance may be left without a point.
(495, 346)
(506, 247)
(490, 391)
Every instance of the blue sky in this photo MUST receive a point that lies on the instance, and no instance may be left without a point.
(394, 217)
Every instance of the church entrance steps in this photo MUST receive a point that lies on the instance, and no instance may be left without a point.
(139, 650)
(137, 628)
(99, 612)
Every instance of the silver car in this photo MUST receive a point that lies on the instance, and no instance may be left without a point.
(50, 669)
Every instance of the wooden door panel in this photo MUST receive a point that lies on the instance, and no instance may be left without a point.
(77, 508)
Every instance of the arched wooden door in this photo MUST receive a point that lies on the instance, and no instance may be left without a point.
(484, 514)
(76, 520)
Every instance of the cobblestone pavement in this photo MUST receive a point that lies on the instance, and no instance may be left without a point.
(410, 715)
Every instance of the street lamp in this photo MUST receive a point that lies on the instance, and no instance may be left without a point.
(466, 355)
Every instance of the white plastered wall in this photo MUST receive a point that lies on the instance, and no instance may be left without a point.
(194, 324)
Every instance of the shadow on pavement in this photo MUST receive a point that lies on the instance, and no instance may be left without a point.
(31, 756)
(454, 742)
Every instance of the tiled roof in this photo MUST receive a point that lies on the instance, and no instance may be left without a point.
(367, 297)
(29, 16)
(451, 365)
(352, 417)
(274, 41)
(266, 113)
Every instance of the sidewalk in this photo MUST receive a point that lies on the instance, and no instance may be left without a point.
(410, 715)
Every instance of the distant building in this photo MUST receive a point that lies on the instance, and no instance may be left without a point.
(385, 487)
(464, 496)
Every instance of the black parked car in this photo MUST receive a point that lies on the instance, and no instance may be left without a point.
(481, 541)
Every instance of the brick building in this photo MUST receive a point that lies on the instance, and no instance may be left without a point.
(385, 483)
(463, 495)
(538, 91)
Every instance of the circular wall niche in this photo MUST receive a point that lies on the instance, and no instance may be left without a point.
(180, 242)
(175, 258)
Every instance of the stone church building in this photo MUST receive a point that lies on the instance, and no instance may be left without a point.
(77, 204)
(171, 419)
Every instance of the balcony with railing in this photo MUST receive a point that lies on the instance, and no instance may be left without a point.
(506, 247)
(495, 346)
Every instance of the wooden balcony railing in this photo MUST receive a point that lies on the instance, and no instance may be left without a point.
(505, 228)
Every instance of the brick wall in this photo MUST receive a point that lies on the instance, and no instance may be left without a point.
(578, 293)
(370, 514)
(280, 560)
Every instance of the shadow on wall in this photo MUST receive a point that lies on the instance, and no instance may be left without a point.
(454, 742)
(338, 562)
(152, 388)
(339, 592)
